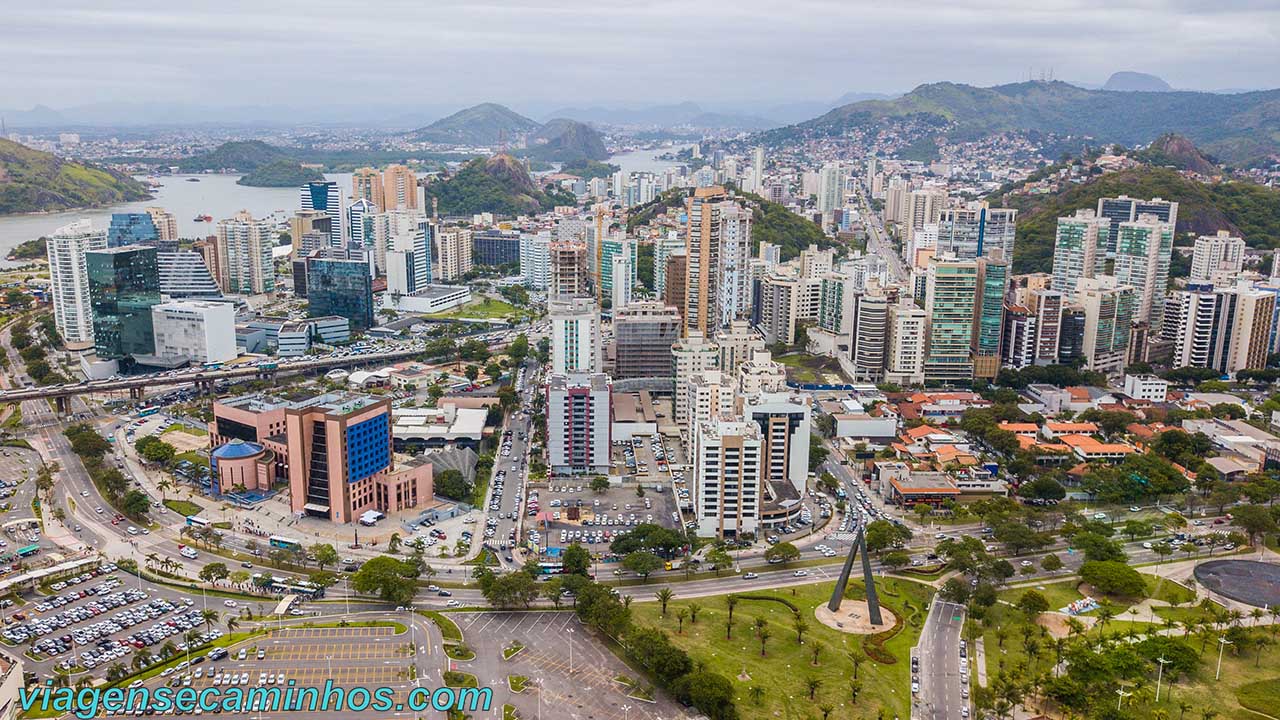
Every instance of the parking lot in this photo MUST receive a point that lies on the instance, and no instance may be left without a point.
(580, 687)
(567, 513)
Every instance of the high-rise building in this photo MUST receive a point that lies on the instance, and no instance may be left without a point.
(718, 245)
(622, 281)
(1019, 344)
(575, 336)
(905, 346)
(1079, 249)
(579, 412)
(244, 251)
(495, 248)
(1143, 250)
(643, 335)
(185, 275)
(366, 184)
(662, 249)
(977, 230)
(869, 334)
(737, 342)
(783, 419)
(616, 246)
(69, 280)
(1217, 259)
(124, 284)
(1109, 309)
(132, 229)
(710, 398)
(325, 196)
(398, 230)
(452, 253)
(924, 207)
(212, 257)
(1046, 306)
(359, 224)
(691, 356)
(951, 297)
(676, 277)
(757, 168)
(1126, 209)
(165, 222)
(760, 374)
(200, 331)
(988, 317)
(399, 188)
(831, 187)
(1227, 329)
(1071, 334)
(408, 259)
(896, 197)
(535, 259)
(339, 283)
(568, 263)
(727, 478)
(313, 222)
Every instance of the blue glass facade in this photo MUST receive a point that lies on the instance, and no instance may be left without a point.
(342, 288)
(368, 448)
(132, 229)
(124, 283)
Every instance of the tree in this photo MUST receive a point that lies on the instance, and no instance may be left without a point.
(576, 560)
(1255, 520)
(664, 596)
(1032, 603)
(812, 685)
(882, 535)
(896, 559)
(642, 563)
(472, 372)
(213, 572)
(783, 552)
(1051, 563)
(135, 504)
(955, 590)
(325, 555)
(1113, 578)
(708, 692)
(681, 614)
(764, 636)
(450, 483)
(159, 452)
(801, 628)
(391, 579)
(599, 484)
(719, 559)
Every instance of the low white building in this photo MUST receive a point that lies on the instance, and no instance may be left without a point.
(200, 331)
(1146, 387)
(432, 299)
(438, 426)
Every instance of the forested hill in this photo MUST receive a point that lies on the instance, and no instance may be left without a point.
(1248, 210)
(35, 181)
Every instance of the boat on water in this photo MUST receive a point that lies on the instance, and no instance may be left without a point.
(203, 218)
(193, 179)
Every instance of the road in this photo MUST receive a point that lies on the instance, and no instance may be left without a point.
(516, 466)
(878, 244)
(939, 654)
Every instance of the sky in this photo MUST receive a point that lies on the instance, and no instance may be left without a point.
(535, 55)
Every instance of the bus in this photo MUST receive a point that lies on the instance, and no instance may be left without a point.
(197, 521)
(149, 410)
(28, 551)
(212, 365)
(284, 543)
(301, 588)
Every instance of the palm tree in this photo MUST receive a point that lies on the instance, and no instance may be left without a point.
(141, 659)
(826, 709)
(801, 626)
(815, 651)
(681, 614)
(168, 650)
(232, 622)
(1183, 707)
(626, 601)
(1001, 635)
(728, 629)
(664, 596)
(764, 637)
(757, 693)
(759, 624)
(209, 617)
(1208, 714)
(731, 601)
(117, 671)
(812, 684)
(857, 659)
(694, 609)
(1104, 616)
(163, 485)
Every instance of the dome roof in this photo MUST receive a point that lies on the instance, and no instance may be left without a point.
(237, 449)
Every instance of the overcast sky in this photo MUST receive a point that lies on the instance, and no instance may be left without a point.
(547, 53)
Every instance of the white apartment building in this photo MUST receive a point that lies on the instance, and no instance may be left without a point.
(905, 344)
(453, 249)
(200, 331)
(710, 397)
(737, 342)
(1146, 387)
(784, 422)
(727, 485)
(69, 279)
(761, 374)
(576, 345)
(693, 355)
(1217, 259)
(244, 254)
(579, 413)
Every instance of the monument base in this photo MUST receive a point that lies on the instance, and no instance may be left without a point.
(853, 618)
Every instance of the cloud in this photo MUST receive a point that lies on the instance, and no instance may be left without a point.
(318, 53)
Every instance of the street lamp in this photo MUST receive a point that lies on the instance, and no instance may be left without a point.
(1160, 674)
(1122, 695)
(1223, 642)
(626, 712)
(571, 632)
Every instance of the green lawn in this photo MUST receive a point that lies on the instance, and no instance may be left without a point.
(783, 672)
(184, 508)
(1060, 594)
(201, 432)
(806, 368)
(486, 307)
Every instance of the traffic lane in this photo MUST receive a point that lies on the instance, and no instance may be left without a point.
(940, 666)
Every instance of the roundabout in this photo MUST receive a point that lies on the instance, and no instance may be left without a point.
(1247, 581)
(854, 618)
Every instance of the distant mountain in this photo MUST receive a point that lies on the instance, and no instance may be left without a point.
(38, 116)
(34, 181)
(1239, 129)
(1177, 151)
(563, 140)
(484, 124)
(241, 155)
(499, 184)
(730, 121)
(1127, 81)
(654, 115)
(1246, 209)
(280, 173)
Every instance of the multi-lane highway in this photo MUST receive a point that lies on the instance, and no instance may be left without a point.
(939, 677)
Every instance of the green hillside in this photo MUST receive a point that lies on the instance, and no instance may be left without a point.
(499, 185)
(1238, 128)
(484, 124)
(1252, 211)
(34, 181)
(280, 173)
(242, 155)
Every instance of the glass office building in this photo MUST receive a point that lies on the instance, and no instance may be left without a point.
(340, 287)
(124, 283)
(132, 229)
